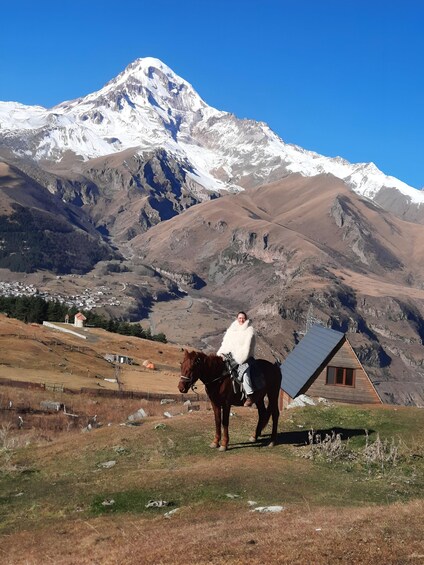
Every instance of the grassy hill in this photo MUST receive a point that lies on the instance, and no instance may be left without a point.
(349, 479)
(355, 499)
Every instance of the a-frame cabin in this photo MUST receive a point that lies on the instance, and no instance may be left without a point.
(323, 364)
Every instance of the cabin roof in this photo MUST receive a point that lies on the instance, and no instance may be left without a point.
(308, 355)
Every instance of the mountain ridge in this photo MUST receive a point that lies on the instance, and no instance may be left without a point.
(148, 106)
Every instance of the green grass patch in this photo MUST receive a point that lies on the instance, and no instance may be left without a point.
(65, 479)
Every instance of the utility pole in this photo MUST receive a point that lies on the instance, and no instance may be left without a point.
(118, 376)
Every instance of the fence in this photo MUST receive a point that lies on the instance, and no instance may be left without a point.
(54, 387)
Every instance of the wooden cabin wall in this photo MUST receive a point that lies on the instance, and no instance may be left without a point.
(362, 393)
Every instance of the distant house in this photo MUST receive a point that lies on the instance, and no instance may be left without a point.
(323, 364)
(79, 320)
(116, 358)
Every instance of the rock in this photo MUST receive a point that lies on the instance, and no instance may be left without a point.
(107, 464)
(170, 513)
(120, 450)
(302, 400)
(275, 508)
(167, 401)
(160, 427)
(158, 504)
(137, 416)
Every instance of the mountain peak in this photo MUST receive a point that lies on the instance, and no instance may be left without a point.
(143, 63)
(144, 69)
(149, 106)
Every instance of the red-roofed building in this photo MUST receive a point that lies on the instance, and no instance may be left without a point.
(79, 320)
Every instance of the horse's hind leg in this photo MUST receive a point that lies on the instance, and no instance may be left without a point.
(261, 420)
(275, 413)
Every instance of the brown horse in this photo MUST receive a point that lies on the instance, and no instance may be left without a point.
(214, 374)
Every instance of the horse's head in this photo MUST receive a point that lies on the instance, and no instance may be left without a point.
(190, 370)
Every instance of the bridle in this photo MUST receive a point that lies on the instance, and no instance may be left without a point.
(192, 380)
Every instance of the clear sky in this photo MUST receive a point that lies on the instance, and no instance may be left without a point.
(339, 77)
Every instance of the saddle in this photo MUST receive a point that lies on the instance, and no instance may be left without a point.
(237, 378)
(231, 365)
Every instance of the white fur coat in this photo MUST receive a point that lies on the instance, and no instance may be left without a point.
(239, 340)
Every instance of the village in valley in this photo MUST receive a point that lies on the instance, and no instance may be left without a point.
(87, 300)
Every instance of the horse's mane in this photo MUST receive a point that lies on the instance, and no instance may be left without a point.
(212, 360)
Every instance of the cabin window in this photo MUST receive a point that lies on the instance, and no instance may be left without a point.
(340, 376)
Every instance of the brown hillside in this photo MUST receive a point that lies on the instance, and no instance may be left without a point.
(35, 353)
(300, 244)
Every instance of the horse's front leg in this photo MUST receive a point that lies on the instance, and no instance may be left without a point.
(217, 414)
(225, 424)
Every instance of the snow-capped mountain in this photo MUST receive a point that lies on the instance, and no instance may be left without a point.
(148, 107)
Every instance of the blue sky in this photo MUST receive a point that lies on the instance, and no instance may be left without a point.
(339, 77)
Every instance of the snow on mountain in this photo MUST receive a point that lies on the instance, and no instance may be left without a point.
(147, 107)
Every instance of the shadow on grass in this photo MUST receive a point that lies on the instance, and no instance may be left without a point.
(301, 438)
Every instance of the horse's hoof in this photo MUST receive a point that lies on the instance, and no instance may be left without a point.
(271, 444)
(213, 445)
(252, 439)
(223, 448)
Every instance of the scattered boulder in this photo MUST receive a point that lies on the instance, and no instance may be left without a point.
(137, 416)
(170, 513)
(301, 400)
(275, 508)
(107, 464)
(158, 504)
(160, 426)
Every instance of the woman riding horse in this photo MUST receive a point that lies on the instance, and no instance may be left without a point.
(213, 372)
(239, 340)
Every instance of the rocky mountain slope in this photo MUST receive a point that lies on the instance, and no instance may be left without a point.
(39, 231)
(308, 248)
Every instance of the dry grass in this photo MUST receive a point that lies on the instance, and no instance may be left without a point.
(329, 516)
(299, 535)
(79, 411)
